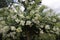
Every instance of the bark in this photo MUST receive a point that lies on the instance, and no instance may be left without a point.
(28, 36)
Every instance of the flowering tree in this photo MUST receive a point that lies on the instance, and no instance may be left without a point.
(28, 20)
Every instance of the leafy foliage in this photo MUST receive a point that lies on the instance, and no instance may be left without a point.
(30, 24)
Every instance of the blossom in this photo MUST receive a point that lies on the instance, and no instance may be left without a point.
(47, 27)
(14, 17)
(57, 32)
(5, 29)
(13, 8)
(13, 28)
(54, 20)
(41, 32)
(41, 26)
(54, 28)
(22, 22)
(27, 17)
(17, 20)
(32, 2)
(36, 18)
(3, 22)
(35, 21)
(1, 18)
(22, 8)
(21, 15)
(37, 15)
(23, 0)
(28, 23)
(19, 29)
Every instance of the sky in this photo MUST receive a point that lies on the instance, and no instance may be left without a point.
(53, 4)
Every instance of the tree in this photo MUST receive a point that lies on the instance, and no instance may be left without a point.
(30, 23)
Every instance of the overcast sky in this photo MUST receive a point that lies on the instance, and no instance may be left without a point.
(54, 4)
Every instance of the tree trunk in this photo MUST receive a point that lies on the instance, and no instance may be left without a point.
(28, 36)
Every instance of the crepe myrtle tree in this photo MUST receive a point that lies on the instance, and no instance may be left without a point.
(28, 20)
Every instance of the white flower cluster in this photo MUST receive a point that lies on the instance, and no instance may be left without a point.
(13, 28)
(14, 17)
(21, 16)
(41, 26)
(19, 29)
(1, 18)
(32, 2)
(41, 32)
(56, 30)
(37, 15)
(27, 17)
(23, 0)
(17, 20)
(4, 29)
(13, 8)
(47, 27)
(3, 22)
(22, 22)
(35, 21)
(22, 8)
(28, 23)
(54, 20)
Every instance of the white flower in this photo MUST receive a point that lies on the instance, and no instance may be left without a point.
(28, 23)
(21, 15)
(41, 26)
(27, 17)
(17, 20)
(36, 21)
(59, 17)
(32, 12)
(1, 18)
(54, 20)
(57, 29)
(1, 26)
(32, 2)
(54, 28)
(19, 29)
(37, 15)
(13, 28)
(36, 18)
(57, 32)
(13, 8)
(5, 29)
(3, 22)
(15, 4)
(47, 27)
(22, 8)
(23, 0)
(14, 17)
(22, 22)
(41, 32)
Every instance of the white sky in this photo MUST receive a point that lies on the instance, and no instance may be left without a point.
(54, 4)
